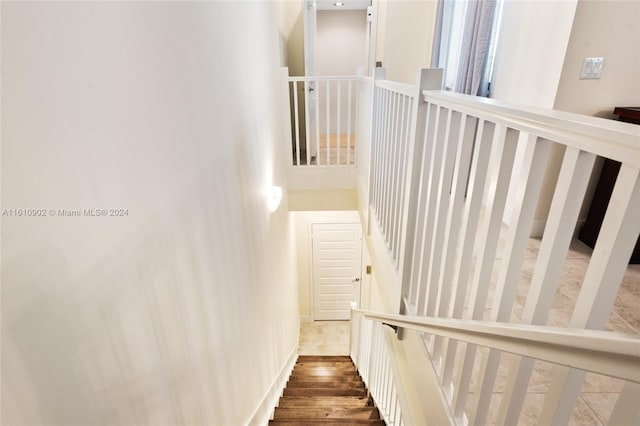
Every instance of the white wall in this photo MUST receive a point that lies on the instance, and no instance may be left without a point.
(540, 53)
(341, 41)
(609, 29)
(292, 35)
(184, 311)
(405, 37)
(531, 49)
(530, 53)
(303, 222)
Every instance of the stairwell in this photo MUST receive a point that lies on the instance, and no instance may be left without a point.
(325, 390)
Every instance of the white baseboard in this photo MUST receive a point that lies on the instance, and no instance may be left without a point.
(265, 410)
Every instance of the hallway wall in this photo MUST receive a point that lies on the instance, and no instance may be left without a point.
(618, 85)
(183, 311)
(341, 42)
(405, 37)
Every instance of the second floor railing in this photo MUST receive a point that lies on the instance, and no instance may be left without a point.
(456, 203)
(452, 183)
(323, 120)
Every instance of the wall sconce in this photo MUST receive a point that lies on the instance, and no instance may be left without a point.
(274, 196)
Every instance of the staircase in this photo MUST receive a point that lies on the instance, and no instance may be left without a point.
(325, 390)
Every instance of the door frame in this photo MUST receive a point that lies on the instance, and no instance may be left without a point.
(310, 249)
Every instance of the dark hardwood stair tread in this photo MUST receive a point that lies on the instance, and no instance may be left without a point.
(342, 422)
(325, 389)
(326, 385)
(320, 379)
(324, 401)
(324, 358)
(325, 364)
(326, 413)
(319, 371)
(324, 392)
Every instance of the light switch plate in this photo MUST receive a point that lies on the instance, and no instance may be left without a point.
(591, 68)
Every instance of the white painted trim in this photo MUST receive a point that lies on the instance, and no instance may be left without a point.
(606, 138)
(306, 318)
(410, 90)
(604, 352)
(265, 410)
(310, 263)
(324, 78)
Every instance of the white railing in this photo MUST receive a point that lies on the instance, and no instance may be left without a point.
(606, 353)
(323, 120)
(467, 175)
(396, 116)
(370, 353)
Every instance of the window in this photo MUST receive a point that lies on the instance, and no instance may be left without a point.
(465, 44)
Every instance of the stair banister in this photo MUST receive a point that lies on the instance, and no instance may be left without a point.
(606, 138)
(603, 352)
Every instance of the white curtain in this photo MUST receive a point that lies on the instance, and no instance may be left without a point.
(465, 42)
(474, 49)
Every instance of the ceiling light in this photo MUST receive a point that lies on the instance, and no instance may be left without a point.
(339, 3)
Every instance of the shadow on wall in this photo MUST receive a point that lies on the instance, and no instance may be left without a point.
(141, 336)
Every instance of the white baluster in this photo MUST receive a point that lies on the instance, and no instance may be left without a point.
(563, 214)
(618, 236)
(296, 120)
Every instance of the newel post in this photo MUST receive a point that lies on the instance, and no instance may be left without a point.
(427, 79)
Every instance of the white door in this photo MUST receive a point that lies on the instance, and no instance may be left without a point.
(336, 258)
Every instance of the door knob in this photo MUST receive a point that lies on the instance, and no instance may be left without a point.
(355, 280)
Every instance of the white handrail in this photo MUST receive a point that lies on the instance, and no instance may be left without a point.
(607, 138)
(324, 78)
(604, 352)
(394, 86)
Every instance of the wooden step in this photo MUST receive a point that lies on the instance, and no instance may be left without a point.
(320, 379)
(325, 364)
(326, 413)
(335, 384)
(324, 358)
(325, 401)
(325, 390)
(330, 374)
(321, 422)
(324, 371)
(289, 391)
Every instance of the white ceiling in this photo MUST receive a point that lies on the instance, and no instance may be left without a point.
(348, 4)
